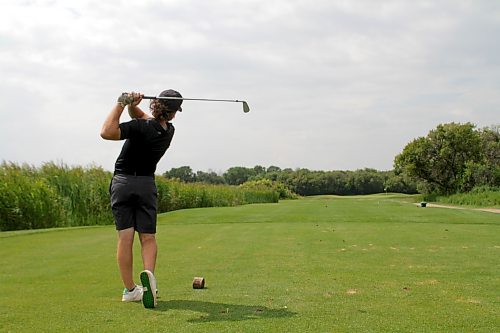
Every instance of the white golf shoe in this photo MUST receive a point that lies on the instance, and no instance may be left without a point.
(149, 298)
(132, 296)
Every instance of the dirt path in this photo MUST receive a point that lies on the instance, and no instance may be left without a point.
(490, 210)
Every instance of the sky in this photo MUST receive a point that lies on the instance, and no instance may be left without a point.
(331, 84)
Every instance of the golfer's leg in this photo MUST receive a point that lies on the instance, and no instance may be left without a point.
(148, 250)
(124, 256)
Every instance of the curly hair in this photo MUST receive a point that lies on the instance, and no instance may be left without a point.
(160, 108)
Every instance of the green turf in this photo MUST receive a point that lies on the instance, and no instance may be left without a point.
(324, 264)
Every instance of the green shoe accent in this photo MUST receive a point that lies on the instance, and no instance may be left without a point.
(148, 299)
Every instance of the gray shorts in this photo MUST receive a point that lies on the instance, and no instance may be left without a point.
(134, 201)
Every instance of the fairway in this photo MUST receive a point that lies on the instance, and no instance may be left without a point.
(321, 264)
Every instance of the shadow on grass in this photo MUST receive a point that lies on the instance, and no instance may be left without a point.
(209, 311)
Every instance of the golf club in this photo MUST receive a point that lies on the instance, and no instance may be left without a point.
(246, 108)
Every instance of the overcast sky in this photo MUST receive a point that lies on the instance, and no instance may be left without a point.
(331, 84)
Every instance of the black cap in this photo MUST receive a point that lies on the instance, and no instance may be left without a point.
(172, 104)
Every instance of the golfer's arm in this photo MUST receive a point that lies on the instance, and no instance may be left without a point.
(136, 113)
(111, 127)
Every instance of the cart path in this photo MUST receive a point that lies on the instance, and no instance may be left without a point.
(490, 210)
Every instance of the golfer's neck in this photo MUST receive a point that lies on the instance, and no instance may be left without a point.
(163, 123)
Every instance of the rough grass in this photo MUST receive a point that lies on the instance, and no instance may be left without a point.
(328, 264)
(478, 197)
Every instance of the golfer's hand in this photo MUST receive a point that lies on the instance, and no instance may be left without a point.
(125, 99)
(137, 98)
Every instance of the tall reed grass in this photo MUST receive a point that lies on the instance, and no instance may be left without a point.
(27, 201)
(484, 196)
(55, 195)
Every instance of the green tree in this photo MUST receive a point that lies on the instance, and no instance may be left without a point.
(238, 175)
(273, 168)
(368, 181)
(487, 171)
(209, 177)
(440, 159)
(184, 173)
(259, 170)
(399, 184)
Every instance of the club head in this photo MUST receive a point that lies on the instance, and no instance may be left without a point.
(246, 108)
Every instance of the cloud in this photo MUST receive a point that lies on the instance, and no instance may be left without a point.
(331, 85)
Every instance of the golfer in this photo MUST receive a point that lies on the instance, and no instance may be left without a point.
(133, 190)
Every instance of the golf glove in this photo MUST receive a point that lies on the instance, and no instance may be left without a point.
(125, 99)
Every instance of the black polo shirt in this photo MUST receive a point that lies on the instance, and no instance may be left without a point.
(146, 142)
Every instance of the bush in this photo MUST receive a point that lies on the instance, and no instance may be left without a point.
(174, 194)
(266, 184)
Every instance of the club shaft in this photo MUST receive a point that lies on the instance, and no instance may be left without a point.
(245, 104)
(193, 99)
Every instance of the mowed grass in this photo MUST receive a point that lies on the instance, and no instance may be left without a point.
(323, 264)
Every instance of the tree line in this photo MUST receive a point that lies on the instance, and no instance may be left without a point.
(304, 181)
(452, 158)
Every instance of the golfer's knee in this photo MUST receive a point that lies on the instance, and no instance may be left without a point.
(146, 238)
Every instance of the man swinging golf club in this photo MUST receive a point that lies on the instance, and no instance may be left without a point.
(133, 190)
